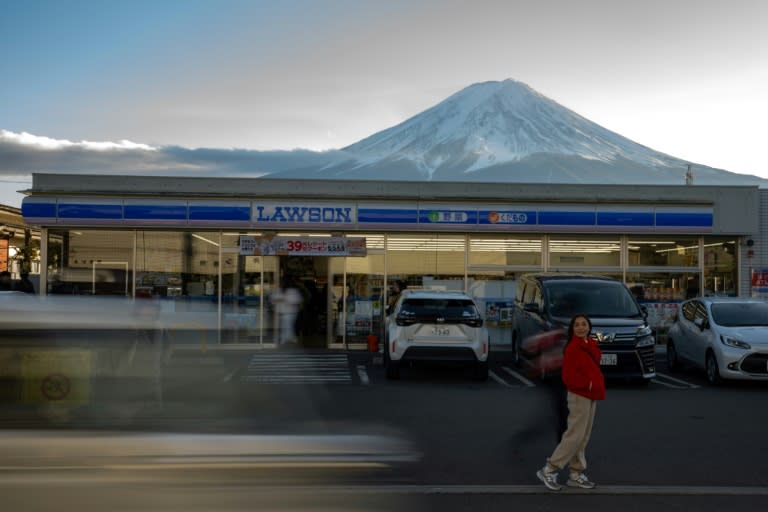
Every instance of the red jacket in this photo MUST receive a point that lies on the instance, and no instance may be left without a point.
(581, 368)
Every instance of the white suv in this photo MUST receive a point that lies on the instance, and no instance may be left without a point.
(428, 325)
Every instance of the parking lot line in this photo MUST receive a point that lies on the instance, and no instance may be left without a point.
(363, 375)
(669, 377)
(673, 386)
(498, 379)
(518, 377)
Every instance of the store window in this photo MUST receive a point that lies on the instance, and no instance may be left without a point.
(363, 307)
(495, 261)
(431, 261)
(178, 264)
(720, 266)
(584, 252)
(90, 262)
(504, 251)
(663, 252)
(661, 292)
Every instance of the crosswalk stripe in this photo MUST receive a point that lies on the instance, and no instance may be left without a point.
(298, 368)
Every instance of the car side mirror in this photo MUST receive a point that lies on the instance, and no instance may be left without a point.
(701, 323)
(644, 310)
(388, 310)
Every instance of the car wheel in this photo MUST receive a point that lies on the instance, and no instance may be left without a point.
(713, 372)
(673, 363)
(481, 371)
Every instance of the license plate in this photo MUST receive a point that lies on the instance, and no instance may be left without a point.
(608, 359)
(441, 331)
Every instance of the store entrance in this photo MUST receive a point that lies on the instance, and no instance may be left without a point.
(340, 300)
(309, 275)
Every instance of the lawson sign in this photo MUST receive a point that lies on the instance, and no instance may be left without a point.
(310, 213)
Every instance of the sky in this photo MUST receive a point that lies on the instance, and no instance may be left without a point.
(123, 79)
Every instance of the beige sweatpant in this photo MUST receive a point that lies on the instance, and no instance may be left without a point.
(570, 451)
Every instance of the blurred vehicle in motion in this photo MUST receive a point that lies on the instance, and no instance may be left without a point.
(547, 301)
(435, 326)
(61, 355)
(112, 470)
(725, 336)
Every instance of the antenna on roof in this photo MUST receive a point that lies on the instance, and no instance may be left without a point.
(689, 176)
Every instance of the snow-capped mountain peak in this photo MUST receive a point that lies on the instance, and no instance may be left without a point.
(491, 123)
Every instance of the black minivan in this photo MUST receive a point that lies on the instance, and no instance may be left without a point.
(546, 301)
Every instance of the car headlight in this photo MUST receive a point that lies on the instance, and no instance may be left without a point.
(644, 331)
(645, 335)
(645, 341)
(734, 342)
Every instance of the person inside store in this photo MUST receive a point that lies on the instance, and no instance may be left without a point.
(24, 284)
(585, 386)
(287, 302)
(5, 281)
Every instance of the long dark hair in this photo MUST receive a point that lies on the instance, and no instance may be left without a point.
(573, 321)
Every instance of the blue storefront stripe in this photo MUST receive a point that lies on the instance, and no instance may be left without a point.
(90, 211)
(625, 219)
(681, 219)
(387, 216)
(31, 210)
(155, 212)
(220, 213)
(563, 218)
(182, 212)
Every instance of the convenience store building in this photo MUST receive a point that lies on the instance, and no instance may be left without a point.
(210, 250)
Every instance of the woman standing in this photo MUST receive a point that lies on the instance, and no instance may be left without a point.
(585, 385)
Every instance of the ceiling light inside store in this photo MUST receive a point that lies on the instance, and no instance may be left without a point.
(205, 239)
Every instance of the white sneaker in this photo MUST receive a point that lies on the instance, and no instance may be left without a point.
(580, 480)
(549, 478)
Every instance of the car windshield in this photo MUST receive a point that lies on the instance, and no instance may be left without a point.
(740, 314)
(592, 298)
(434, 307)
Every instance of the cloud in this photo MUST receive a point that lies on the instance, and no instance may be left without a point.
(46, 143)
(22, 154)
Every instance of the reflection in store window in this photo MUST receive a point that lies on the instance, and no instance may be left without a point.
(592, 252)
(663, 252)
(90, 262)
(504, 251)
(661, 293)
(720, 266)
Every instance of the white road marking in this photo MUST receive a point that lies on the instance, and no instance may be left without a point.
(518, 377)
(363, 375)
(616, 490)
(229, 376)
(673, 386)
(669, 377)
(650, 490)
(284, 368)
(498, 379)
(113, 473)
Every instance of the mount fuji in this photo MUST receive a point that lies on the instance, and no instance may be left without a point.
(507, 132)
